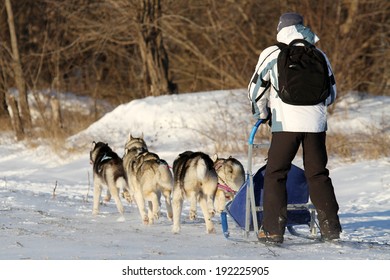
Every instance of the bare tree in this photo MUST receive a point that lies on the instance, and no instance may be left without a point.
(152, 49)
(3, 90)
(214, 44)
(17, 70)
(119, 50)
(355, 34)
(15, 117)
(125, 43)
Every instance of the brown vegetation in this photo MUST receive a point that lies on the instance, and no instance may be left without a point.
(119, 50)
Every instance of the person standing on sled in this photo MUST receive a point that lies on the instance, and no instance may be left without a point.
(293, 125)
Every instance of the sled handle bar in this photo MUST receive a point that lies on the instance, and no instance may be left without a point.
(250, 196)
(254, 130)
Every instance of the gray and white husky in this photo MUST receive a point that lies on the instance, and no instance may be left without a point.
(149, 177)
(196, 180)
(231, 176)
(107, 172)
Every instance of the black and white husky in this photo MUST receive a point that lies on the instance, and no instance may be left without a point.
(195, 179)
(107, 172)
(149, 177)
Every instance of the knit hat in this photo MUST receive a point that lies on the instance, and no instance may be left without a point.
(289, 19)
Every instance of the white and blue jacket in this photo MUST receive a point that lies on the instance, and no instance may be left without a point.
(263, 87)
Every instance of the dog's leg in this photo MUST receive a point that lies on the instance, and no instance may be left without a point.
(193, 203)
(220, 200)
(114, 190)
(207, 217)
(150, 211)
(210, 204)
(107, 198)
(168, 203)
(177, 205)
(154, 207)
(139, 198)
(97, 190)
(127, 191)
(165, 185)
(209, 190)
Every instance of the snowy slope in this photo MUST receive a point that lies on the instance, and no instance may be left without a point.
(38, 223)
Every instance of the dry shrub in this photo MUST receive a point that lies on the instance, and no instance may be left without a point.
(228, 133)
(359, 146)
(348, 147)
(47, 131)
(5, 123)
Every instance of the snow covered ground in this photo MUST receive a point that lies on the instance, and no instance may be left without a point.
(46, 198)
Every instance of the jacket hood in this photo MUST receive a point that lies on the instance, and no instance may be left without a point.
(299, 31)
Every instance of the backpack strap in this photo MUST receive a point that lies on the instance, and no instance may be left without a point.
(301, 41)
(281, 46)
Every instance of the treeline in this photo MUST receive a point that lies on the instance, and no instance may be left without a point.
(120, 50)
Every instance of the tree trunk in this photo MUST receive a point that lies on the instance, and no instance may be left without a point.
(15, 117)
(3, 104)
(153, 53)
(4, 114)
(17, 69)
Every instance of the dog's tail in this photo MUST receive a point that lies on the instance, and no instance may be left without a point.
(165, 175)
(201, 169)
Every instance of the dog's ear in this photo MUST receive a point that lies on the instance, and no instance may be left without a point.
(215, 157)
(93, 145)
(130, 136)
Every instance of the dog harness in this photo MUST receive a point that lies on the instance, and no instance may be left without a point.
(102, 160)
(227, 189)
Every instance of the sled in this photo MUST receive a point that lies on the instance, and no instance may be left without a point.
(248, 202)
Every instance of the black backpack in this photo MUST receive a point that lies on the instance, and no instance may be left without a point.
(303, 74)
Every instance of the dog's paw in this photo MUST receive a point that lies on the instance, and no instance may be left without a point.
(176, 229)
(129, 197)
(211, 230)
(95, 212)
(146, 220)
(193, 215)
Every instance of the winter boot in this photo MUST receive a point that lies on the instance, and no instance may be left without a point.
(330, 230)
(265, 237)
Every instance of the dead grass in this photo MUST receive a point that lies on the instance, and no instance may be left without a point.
(346, 147)
(359, 146)
(47, 131)
(5, 124)
(231, 138)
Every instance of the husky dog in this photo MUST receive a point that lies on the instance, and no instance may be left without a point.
(133, 147)
(107, 171)
(231, 177)
(149, 177)
(196, 180)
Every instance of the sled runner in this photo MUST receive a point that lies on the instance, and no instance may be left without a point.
(248, 201)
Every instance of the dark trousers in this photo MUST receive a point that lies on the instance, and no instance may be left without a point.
(284, 146)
